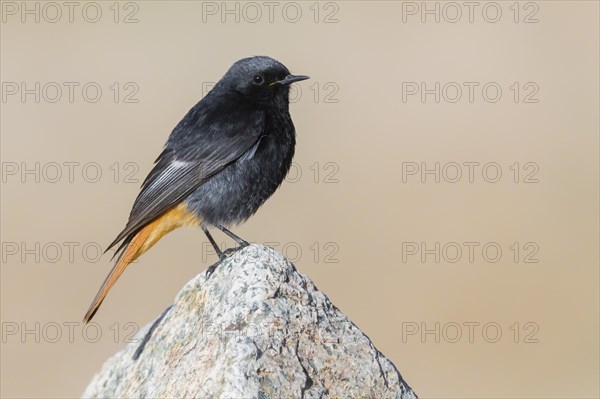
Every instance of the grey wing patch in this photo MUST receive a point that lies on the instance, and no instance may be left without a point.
(167, 184)
(186, 163)
(251, 151)
(171, 181)
(176, 180)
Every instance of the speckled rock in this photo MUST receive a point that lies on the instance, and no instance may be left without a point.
(254, 328)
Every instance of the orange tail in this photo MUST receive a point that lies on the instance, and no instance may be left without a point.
(148, 236)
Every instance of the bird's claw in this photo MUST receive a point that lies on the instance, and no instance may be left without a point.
(231, 251)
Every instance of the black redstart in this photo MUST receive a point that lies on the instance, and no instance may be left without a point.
(222, 161)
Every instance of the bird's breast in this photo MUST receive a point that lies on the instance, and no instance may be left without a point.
(234, 194)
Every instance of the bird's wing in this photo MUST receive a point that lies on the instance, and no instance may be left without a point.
(187, 162)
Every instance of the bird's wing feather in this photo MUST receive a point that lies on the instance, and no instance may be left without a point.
(199, 153)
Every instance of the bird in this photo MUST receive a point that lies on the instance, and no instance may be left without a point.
(220, 163)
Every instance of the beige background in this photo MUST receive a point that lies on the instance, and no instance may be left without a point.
(170, 53)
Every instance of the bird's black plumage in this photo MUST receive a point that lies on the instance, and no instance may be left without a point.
(222, 161)
(228, 154)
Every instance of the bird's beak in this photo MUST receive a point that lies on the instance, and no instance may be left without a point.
(289, 79)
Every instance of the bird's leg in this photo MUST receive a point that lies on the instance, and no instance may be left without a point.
(237, 239)
(213, 243)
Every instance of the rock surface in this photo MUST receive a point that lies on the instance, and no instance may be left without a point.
(254, 328)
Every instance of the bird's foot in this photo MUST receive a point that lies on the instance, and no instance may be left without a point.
(222, 256)
(232, 251)
(211, 269)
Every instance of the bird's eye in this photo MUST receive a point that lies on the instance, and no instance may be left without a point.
(258, 80)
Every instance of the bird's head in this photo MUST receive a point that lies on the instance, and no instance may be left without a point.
(262, 80)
